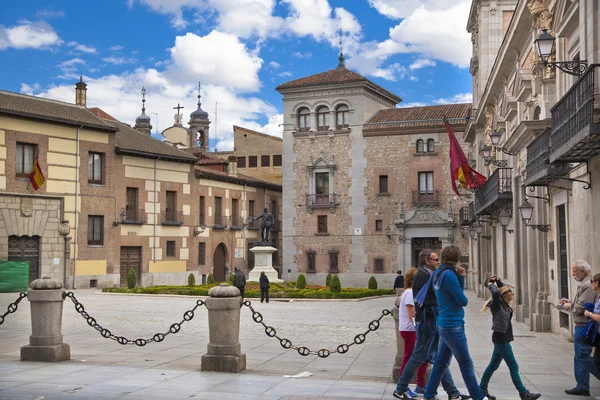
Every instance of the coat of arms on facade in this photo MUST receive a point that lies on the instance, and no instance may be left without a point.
(26, 206)
(63, 228)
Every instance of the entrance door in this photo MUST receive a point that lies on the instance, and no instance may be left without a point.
(219, 263)
(26, 248)
(419, 244)
(131, 257)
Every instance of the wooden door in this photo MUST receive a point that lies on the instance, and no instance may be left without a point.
(219, 259)
(131, 257)
(26, 248)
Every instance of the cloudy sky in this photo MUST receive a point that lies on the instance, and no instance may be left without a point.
(239, 49)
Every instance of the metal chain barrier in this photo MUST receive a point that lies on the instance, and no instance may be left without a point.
(305, 351)
(12, 307)
(159, 337)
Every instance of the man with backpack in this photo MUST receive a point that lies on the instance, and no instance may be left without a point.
(425, 316)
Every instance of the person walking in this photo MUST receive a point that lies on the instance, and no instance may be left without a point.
(580, 270)
(399, 283)
(502, 314)
(425, 335)
(239, 281)
(406, 325)
(448, 282)
(594, 316)
(264, 287)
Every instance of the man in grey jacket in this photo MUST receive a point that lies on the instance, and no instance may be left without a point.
(585, 294)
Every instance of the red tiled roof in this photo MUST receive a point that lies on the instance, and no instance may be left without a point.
(335, 76)
(209, 173)
(206, 159)
(102, 114)
(418, 117)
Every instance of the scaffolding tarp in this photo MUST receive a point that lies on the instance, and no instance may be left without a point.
(14, 276)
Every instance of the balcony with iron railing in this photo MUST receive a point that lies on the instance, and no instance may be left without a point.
(220, 222)
(321, 200)
(575, 128)
(236, 223)
(539, 171)
(428, 198)
(172, 217)
(496, 193)
(252, 225)
(133, 216)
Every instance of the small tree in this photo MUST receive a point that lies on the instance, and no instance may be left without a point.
(301, 282)
(191, 280)
(335, 286)
(210, 279)
(372, 283)
(131, 279)
(231, 276)
(328, 279)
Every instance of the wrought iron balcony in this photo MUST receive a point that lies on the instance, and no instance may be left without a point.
(575, 129)
(220, 222)
(172, 217)
(495, 194)
(133, 216)
(430, 198)
(236, 223)
(253, 225)
(539, 170)
(321, 200)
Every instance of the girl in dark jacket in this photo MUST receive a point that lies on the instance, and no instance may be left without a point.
(264, 287)
(503, 334)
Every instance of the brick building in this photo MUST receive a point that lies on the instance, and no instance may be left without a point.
(367, 185)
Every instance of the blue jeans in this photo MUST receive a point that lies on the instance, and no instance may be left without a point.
(453, 341)
(417, 359)
(583, 362)
(503, 351)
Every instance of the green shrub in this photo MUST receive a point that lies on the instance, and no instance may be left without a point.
(335, 286)
(131, 279)
(191, 280)
(231, 278)
(328, 280)
(210, 279)
(372, 283)
(301, 282)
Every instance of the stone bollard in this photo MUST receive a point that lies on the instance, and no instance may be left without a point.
(224, 353)
(46, 341)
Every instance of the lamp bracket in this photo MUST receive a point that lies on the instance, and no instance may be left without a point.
(586, 184)
(576, 67)
(502, 149)
(532, 189)
(497, 163)
(486, 237)
(541, 228)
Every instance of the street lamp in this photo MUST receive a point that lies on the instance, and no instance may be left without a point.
(487, 151)
(387, 232)
(526, 210)
(545, 43)
(504, 218)
(472, 232)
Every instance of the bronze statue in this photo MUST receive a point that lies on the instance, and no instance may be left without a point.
(265, 225)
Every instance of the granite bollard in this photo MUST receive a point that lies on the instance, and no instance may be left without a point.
(224, 353)
(46, 341)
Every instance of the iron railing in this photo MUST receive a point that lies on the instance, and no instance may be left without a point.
(133, 216)
(321, 200)
(426, 198)
(496, 192)
(537, 158)
(236, 223)
(172, 217)
(570, 116)
(220, 222)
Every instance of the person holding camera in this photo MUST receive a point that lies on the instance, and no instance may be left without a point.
(502, 314)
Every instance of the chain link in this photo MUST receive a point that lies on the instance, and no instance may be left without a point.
(305, 351)
(12, 307)
(156, 338)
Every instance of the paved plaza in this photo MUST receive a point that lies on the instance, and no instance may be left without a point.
(103, 369)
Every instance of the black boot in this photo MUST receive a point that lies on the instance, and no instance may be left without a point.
(529, 396)
(488, 395)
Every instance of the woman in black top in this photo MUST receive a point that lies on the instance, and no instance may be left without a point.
(264, 287)
(503, 334)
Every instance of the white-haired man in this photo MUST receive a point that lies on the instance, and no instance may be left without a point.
(583, 362)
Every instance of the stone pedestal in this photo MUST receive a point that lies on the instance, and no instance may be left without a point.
(224, 352)
(263, 262)
(46, 341)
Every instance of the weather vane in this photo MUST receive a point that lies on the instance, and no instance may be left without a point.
(341, 41)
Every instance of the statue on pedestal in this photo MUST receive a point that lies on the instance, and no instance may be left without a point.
(265, 225)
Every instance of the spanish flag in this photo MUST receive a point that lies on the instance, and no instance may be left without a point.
(460, 169)
(36, 176)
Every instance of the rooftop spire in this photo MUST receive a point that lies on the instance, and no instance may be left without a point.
(199, 113)
(143, 100)
(341, 59)
(142, 123)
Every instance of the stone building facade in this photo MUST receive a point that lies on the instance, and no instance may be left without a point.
(349, 171)
(541, 157)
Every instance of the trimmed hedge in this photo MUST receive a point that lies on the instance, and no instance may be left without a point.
(131, 279)
(335, 285)
(210, 280)
(277, 290)
(191, 280)
(231, 276)
(372, 283)
(301, 282)
(328, 280)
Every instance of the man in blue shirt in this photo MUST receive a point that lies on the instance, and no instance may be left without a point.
(399, 283)
(448, 283)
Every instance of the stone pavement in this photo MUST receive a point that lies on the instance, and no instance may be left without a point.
(103, 369)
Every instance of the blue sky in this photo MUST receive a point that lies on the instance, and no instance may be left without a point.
(239, 49)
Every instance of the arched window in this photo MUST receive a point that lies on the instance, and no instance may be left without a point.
(420, 146)
(342, 116)
(322, 118)
(304, 120)
(430, 146)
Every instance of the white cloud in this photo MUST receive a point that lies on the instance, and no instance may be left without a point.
(116, 48)
(29, 89)
(306, 55)
(413, 104)
(285, 73)
(197, 58)
(457, 98)
(398, 9)
(69, 68)
(274, 64)
(274, 127)
(414, 79)
(421, 63)
(119, 60)
(82, 47)
(49, 14)
(36, 35)
(174, 8)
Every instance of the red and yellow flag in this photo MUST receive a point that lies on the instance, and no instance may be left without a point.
(36, 176)
(460, 169)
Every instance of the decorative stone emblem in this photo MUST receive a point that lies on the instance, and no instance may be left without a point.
(64, 228)
(424, 216)
(26, 206)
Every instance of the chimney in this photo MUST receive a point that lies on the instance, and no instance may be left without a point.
(81, 93)
(232, 160)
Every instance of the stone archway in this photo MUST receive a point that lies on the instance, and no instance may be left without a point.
(219, 263)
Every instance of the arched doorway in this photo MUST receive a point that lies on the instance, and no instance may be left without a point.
(219, 261)
(26, 248)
